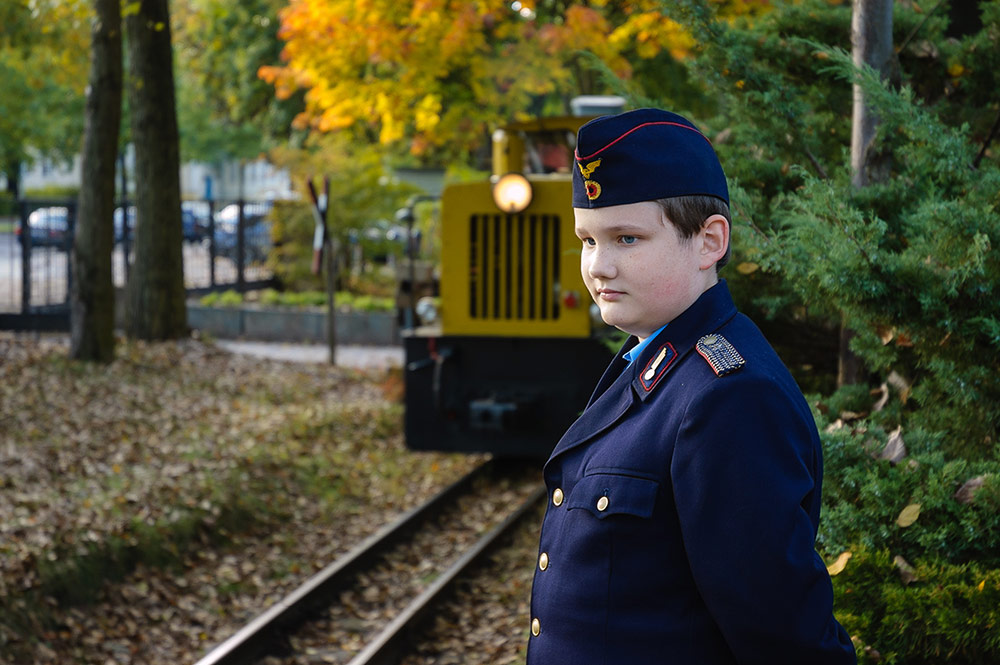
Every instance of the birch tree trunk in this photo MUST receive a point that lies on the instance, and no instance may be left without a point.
(156, 308)
(871, 45)
(92, 300)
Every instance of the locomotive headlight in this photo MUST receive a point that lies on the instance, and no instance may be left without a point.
(427, 310)
(512, 193)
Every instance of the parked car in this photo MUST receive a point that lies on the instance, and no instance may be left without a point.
(49, 227)
(256, 232)
(194, 220)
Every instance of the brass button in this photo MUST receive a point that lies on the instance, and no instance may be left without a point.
(536, 627)
(543, 561)
(557, 497)
(602, 503)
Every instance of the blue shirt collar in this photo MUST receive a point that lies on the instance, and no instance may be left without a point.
(634, 352)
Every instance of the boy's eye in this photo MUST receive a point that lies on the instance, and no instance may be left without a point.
(627, 240)
(589, 242)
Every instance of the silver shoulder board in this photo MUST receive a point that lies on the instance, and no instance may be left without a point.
(719, 354)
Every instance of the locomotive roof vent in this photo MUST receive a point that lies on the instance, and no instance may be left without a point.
(597, 105)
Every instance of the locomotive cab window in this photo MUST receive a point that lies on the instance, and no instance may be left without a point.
(548, 152)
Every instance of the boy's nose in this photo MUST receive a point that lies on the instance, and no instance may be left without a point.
(601, 265)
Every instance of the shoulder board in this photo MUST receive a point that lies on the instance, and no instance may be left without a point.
(719, 354)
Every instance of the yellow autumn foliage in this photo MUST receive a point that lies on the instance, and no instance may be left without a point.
(437, 71)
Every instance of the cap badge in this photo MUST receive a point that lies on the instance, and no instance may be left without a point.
(721, 356)
(589, 168)
(592, 187)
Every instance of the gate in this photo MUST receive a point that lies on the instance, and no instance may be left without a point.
(35, 239)
(222, 250)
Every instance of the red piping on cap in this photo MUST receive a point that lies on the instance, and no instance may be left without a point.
(637, 127)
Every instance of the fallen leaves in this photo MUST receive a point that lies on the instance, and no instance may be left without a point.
(907, 573)
(967, 491)
(908, 515)
(895, 449)
(243, 475)
(838, 566)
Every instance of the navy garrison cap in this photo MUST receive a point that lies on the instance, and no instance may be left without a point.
(643, 155)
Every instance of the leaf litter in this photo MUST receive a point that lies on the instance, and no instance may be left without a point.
(150, 507)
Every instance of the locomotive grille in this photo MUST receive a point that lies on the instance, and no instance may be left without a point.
(514, 267)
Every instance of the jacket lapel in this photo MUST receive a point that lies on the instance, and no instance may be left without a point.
(620, 387)
(604, 410)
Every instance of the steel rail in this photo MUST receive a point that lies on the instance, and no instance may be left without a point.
(387, 647)
(262, 634)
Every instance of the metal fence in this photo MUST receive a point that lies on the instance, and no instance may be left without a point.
(225, 246)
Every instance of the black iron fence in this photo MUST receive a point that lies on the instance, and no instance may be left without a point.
(225, 246)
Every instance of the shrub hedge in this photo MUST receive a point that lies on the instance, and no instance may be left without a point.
(910, 265)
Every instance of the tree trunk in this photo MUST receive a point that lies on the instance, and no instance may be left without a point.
(871, 44)
(156, 308)
(13, 173)
(92, 302)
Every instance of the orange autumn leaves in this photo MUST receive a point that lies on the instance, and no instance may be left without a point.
(437, 71)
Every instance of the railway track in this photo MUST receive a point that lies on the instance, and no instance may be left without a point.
(364, 608)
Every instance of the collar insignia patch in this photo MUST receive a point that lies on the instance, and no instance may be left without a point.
(656, 366)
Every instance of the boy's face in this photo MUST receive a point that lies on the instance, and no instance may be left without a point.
(638, 269)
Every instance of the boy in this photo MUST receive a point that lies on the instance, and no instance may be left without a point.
(684, 502)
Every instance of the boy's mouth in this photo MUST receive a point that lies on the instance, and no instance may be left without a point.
(610, 294)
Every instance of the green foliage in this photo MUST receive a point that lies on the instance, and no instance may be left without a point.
(43, 66)
(290, 260)
(910, 266)
(51, 192)
(364, 303)
(362, 198)
(224, 110)
(273, 298)
(8, 206)
(863, 496)
(923, 593)
(947, 613)
(344, 300)
(228, 298)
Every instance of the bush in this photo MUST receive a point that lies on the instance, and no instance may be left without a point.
(361, 194)
(53, 192)
(935, 612)
(290, 261)
(910, 266)
(864, 495)
(343, 300)
(228, 298)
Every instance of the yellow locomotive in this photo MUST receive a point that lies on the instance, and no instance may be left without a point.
(510, 360)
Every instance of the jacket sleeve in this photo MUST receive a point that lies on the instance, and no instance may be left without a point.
(746, 474)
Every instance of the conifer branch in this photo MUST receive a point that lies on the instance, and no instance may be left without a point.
(913, 33)
(987, 142)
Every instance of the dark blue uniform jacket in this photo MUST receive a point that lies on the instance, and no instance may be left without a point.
(682, 513)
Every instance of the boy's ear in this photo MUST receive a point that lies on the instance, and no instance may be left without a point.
(714, 240)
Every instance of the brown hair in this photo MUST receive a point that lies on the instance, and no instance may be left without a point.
(688, 215)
